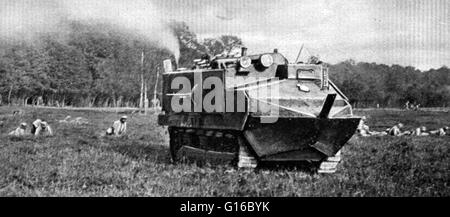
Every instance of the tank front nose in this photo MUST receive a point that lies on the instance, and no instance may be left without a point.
(285, 135)
(315, 136)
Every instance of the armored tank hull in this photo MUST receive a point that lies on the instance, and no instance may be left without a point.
(256, 108)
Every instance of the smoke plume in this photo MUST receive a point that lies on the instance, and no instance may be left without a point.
(26, 19)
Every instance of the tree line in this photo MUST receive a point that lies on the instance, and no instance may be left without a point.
(371, 84)
(97, 65)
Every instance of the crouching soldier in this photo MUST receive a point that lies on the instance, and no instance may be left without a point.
(364, 130)
(119, 127)
(40, 127)
(20, 131)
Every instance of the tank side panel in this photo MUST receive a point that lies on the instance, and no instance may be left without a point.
(195, 82)
(218, 121)
(234, 120)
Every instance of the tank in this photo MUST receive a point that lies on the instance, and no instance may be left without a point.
(252, 110)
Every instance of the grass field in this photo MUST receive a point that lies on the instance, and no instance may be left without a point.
(78, 161)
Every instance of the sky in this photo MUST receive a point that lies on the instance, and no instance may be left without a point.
(405, 32)
(26, 20)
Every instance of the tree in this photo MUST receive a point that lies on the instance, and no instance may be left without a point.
(373, 84)
(99, 65)
(225, 44)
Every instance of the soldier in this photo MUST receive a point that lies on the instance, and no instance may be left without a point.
(363, 129)
(19, 131)
(41, 127)
(395, 130)
(119, 127)
(79, 121)
(440, 132)
(421, 131)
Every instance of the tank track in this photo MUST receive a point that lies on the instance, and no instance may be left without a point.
(212, 146)
(219, 147)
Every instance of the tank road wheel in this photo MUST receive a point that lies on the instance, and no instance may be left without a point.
(329, 165)
(199, 145)
(246, 158)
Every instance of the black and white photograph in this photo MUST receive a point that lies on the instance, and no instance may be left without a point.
(224, 98)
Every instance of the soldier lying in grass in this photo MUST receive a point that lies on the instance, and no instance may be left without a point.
(19, 131)
(75, 121)
(396, 130)
(440, 132)
(420, 131)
